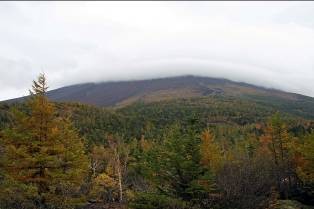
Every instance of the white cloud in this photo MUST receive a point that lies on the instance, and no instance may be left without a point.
(264, 43)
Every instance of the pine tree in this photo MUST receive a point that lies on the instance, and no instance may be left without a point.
(44, 158)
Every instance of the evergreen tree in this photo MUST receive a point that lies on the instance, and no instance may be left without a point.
(176, 165)
(306, 169)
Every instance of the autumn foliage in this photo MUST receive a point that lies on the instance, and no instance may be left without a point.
(214, 154)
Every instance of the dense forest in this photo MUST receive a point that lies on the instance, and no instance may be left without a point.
(217, 152)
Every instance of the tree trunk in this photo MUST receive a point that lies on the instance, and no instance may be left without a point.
(119, 176)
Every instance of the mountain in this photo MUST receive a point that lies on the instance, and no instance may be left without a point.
(124, 93)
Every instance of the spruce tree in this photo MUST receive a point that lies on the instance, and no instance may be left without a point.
(176, 168)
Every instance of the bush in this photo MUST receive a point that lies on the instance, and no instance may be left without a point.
(156, 201)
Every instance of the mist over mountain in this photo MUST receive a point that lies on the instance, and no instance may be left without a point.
(157, 105)
(264, 43)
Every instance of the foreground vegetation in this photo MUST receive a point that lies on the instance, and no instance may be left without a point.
(197, 153)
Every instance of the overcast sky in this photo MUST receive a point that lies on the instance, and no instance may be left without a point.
(265, 43)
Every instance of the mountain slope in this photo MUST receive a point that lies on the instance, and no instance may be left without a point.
(124, 93)
(113, 93)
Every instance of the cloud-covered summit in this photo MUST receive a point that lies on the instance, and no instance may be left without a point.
(263, 43)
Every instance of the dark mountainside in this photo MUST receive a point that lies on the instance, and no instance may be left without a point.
(124, 93)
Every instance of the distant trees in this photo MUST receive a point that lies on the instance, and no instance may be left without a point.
(281, 148)
(210, 170)
(305, 160)
(119, 154)
(43, 157)
(175, 169)
(109, 167)
(173, 155)
(98, 155)
(258, 167)
(211, 153)
(305, 167)
(244, 180)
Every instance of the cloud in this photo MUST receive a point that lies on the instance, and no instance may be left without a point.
(264, 43)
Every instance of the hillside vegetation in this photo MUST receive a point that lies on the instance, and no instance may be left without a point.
(177, 143)
(123, 93)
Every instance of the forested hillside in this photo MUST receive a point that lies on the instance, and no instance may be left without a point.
(237, 146)
(123, 93)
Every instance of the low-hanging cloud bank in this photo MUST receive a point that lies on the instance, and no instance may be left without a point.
(264, 43)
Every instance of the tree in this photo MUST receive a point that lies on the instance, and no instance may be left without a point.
(109, 169)
(98, 160)
(210, 151)
(175, 166)
(279, 145)
(120, 157)
(245, 181)
(305, 168)
(44, 158)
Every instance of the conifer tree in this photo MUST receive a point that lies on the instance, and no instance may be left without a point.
(210, 151)
(305, 161)
(44, 160)
(175, 165)
(278, 143)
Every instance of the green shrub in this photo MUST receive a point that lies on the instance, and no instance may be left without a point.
(156, 201)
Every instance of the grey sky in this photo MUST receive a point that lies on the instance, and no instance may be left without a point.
(265, 43)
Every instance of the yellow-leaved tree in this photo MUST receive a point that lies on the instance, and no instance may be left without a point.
(112, 163)
(280, 146)
(210, 151)
(43, 159)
